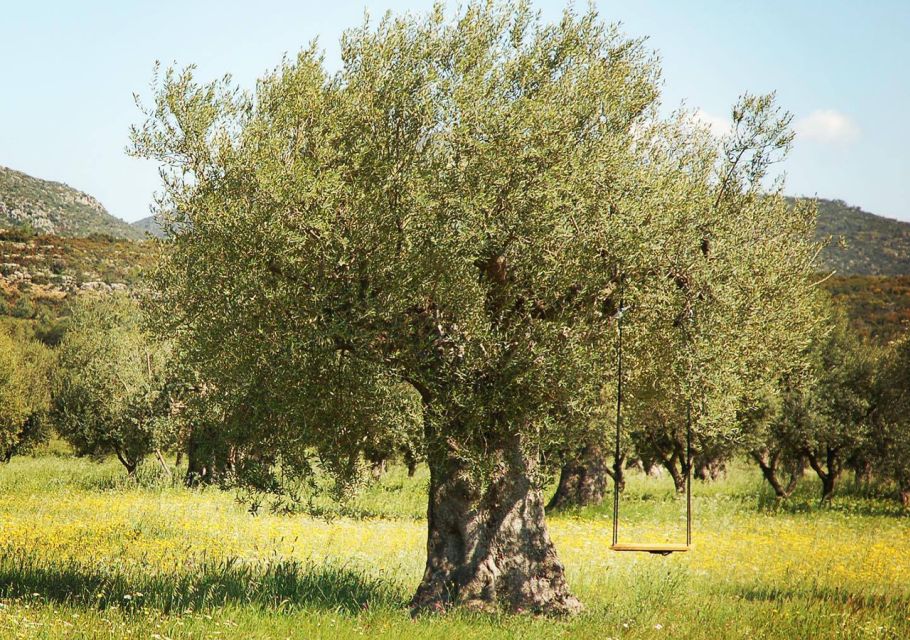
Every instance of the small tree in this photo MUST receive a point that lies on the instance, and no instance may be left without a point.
(770, 442)
(826, 410)
(107, 395)
(727, 319)
(703, 337)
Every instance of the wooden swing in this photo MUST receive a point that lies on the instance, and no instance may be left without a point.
(656, 548)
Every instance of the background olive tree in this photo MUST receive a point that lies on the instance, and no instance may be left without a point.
(109, 383)
(825, 414)
(448, 219)
(24, 392)
(890, 436)
(726, 305)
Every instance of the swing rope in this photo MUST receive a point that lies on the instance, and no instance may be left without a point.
(617, 462)
(662, 549)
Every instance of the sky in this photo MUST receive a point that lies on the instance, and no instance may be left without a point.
(68, 72)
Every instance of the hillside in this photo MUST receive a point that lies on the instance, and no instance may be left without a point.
(878, 306)
(864, 244)
(39, 273)
(149, 225)
(55, 208)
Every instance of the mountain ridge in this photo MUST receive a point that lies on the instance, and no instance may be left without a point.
(55, 208)
(861, 243)
(149, 225)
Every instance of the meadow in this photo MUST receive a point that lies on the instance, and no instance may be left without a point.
(84, 552)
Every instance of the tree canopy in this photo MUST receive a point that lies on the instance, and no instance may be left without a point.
(24, 395)
(109, 383)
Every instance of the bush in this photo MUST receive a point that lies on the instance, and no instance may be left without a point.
(24, 401)
(23, 308)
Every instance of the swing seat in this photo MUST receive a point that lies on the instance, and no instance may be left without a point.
(659, 548)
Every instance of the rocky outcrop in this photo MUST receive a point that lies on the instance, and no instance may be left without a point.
(54, 208)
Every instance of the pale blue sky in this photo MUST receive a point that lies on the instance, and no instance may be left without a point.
(68, 70)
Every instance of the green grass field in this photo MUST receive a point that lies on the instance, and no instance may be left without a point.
(84, 553)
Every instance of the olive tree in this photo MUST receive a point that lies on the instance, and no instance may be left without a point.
(732, 310)
(891, 425)
(447, 218)
(826, 410)
(109, 382)
(24, 395)
(770, 441)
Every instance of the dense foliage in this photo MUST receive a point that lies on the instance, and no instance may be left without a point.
(109, 387)
(890, 438)
(24, 400)
(878, 306)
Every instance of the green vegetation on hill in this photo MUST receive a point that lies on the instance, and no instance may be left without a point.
(863, 244)
(38, 273)
(870, 258)
(55, 208)
(878, 306)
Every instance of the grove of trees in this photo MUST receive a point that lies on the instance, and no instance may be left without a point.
(425, 254)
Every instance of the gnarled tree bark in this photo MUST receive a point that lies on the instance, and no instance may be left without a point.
(583, 479)
(487, 544)
(675, 465)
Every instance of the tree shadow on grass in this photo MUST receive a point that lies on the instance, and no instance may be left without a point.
(277, 585)
(850, 500)
(883, 602)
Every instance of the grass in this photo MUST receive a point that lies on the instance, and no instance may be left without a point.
(84, 553)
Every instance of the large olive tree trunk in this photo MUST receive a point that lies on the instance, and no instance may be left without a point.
(487, 543)
(209, 458)
(583, 479)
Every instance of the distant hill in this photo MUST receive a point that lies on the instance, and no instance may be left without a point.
(55, 208)
(863, 244)
(870, 256)
(149, 225)
(879, 306)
